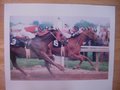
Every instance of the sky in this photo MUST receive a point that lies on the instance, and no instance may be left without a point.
(52, 19)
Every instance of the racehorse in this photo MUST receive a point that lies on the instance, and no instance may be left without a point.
(73, 48)
(38, 47)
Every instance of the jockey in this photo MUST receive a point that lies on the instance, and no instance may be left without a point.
(41, 31)
(75, 31)
(64, 28)
(29, 35)
(58, 24)
(19, 34)
(66, 31)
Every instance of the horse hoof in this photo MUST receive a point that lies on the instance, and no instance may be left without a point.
(60, 67)
(76, 67)
(28, 76)
(53, 76)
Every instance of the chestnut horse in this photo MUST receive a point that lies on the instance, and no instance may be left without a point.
(72, 49)
(38, 47)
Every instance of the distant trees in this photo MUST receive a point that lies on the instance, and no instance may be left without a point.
(36, 23)
(45, 25)
(85, 24)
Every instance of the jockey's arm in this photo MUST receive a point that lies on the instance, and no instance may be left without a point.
(27, 35)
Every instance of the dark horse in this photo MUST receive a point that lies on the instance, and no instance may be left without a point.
(39, 47)
(73, 48)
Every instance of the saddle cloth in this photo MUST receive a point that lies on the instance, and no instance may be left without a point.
(17, 42)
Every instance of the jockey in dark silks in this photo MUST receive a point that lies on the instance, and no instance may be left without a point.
(17, 42)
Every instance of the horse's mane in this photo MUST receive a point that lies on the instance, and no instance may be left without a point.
(82, 33)
(80, 36)
(76, 35)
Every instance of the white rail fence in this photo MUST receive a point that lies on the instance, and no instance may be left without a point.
(96, 49)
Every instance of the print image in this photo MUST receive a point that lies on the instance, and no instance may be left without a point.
(59, 47)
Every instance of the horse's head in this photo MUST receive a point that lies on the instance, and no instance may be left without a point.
(57, 35)
(90, 34)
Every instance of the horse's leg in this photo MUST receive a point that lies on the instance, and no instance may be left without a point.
(48, 67)
(47, 59)
(49, 51)
(78, 65)
(82, 58)
(79, 57)
(88, 59)
(13, 60)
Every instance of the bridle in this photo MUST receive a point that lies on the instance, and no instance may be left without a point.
(53, 35)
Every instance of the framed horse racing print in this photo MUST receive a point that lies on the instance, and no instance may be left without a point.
(59, 46)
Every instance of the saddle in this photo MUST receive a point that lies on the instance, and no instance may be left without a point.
(19, 42)
(58, 44)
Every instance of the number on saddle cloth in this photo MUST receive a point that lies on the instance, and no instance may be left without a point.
(56, 44)
(17, 42)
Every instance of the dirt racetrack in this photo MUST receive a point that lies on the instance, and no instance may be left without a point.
(41, 73)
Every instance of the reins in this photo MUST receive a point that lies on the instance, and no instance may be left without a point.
(53, 35)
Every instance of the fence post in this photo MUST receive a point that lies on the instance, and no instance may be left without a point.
(97, 61)
(62, 55)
